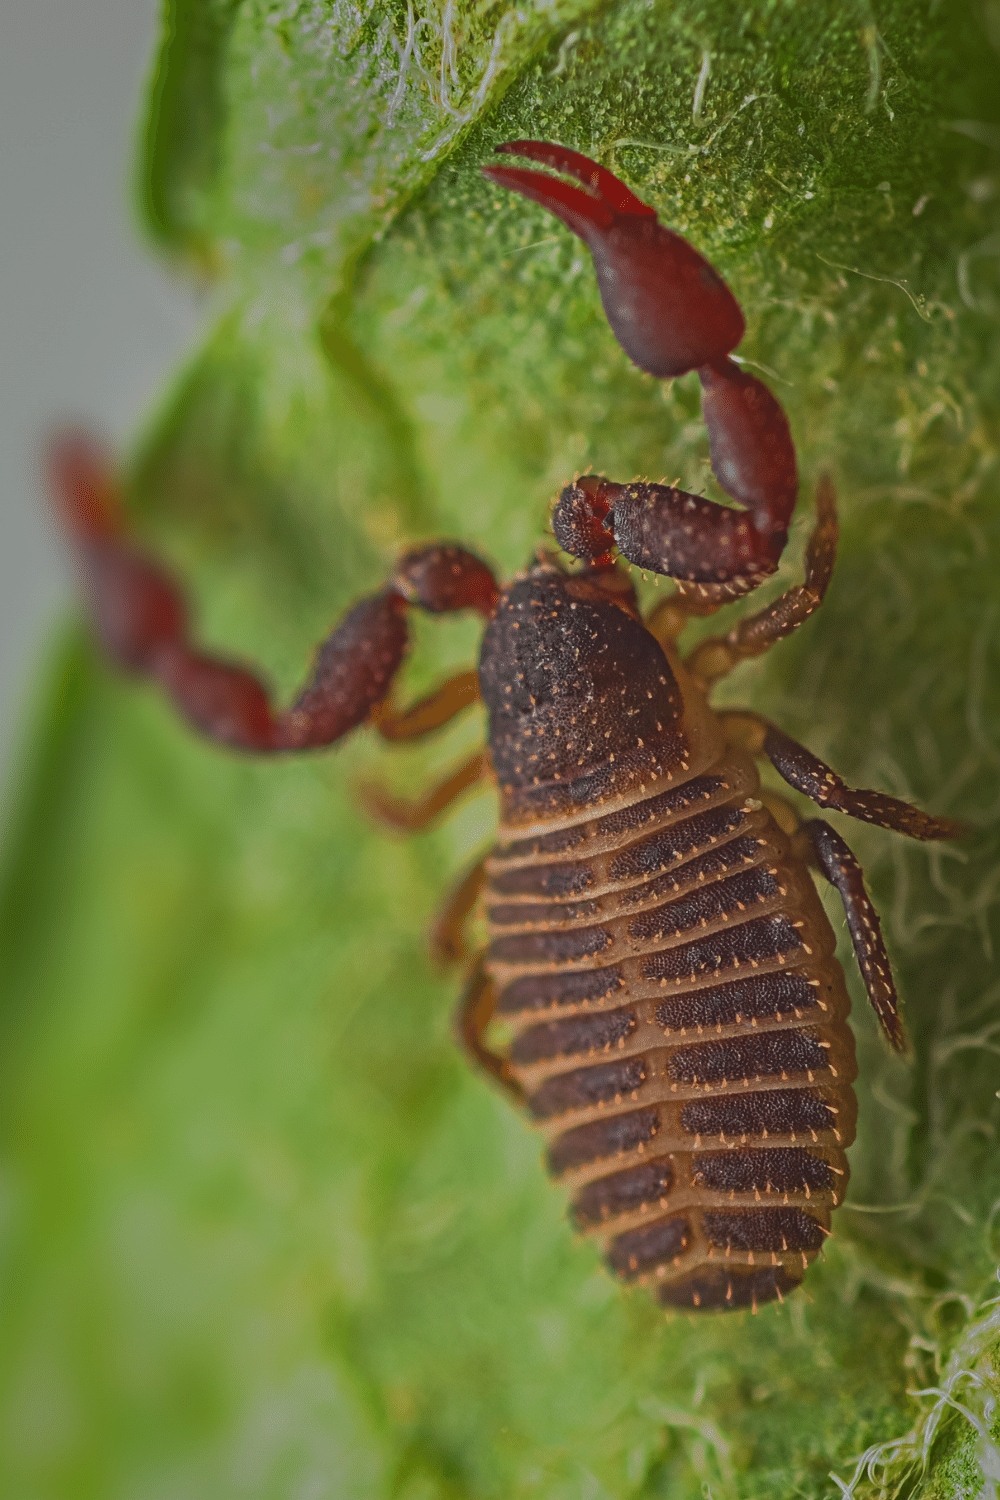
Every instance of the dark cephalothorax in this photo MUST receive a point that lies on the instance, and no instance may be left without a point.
(657, 948)
(576, 689)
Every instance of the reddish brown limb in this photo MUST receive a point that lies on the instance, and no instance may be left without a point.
(353, 671)
(220, 698)
(668, 308)
(665, 531)
(134, 605)
(139, 617)
(752, 453)
(84, 490)
(603, 185)
(445, 577)
(430, 713)
(717, 655)
(812, 776)
(668, 531)
(842, 870)
(447, 935)
(356, 665)
(409, 817)
(671, 312)
(473, 1016)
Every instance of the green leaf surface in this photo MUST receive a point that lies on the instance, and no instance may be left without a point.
(263, 1233)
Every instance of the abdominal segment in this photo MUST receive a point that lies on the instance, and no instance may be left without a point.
(677, 1024)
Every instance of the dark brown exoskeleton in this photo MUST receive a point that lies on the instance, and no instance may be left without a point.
(657, 947)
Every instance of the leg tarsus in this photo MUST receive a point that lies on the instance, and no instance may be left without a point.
(807, 773)
(472, 1017)
(432, 712)
(813, 777)
(842, 870)
(411, 816)
(447, 934)
(717, 655)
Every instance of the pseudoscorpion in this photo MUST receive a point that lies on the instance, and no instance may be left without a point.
(657, 947)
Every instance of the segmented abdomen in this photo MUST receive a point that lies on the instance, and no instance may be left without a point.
(679, 1030)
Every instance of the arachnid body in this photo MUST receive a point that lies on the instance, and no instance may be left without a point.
(657, 947)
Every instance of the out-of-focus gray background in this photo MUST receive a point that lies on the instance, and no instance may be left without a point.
(90, 324)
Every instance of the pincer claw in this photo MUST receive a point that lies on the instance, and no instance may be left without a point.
(668, 308)
(602, 183)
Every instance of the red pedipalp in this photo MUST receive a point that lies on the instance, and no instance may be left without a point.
(671, 312)
(579, 211)
(753, 456)
(83, 486)
(602, 183)
(669, 309)
(139, 616)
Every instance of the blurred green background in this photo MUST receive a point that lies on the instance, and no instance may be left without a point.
(263, 1233)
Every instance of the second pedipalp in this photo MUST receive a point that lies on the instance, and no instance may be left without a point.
(671, 312)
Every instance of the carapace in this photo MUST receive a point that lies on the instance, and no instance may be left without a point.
(657, 948)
